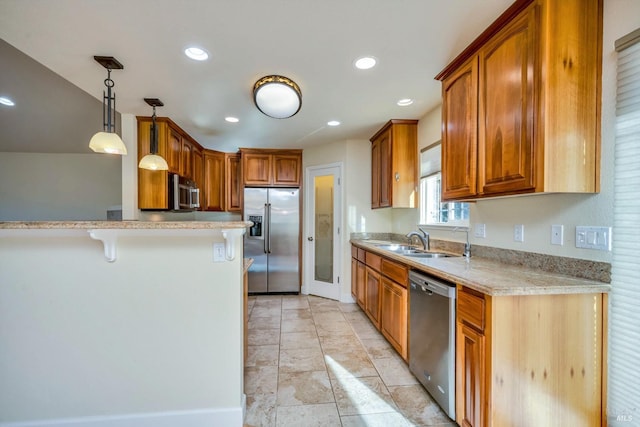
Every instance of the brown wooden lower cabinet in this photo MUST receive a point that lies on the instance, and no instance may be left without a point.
(379, 287)
(393, 322)
(372, 296)
(533, 360)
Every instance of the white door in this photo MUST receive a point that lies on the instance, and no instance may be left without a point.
(323, 230)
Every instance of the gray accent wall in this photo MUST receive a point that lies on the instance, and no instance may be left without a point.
(51, 187)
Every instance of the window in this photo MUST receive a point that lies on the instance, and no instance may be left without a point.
(432, 210)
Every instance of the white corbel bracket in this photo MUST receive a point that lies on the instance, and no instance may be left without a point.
(229, 241)
(109, 240)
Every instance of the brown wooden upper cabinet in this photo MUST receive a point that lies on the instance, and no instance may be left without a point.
(212, 196)
(394, 165)
(271, 168)
(521, 109)
(233, 177)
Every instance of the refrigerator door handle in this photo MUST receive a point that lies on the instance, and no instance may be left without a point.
(268, 239)
(266, 229)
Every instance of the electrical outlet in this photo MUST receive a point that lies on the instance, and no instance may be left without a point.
(218, 252)
(557, 234)
(518, 233)
(480, 230)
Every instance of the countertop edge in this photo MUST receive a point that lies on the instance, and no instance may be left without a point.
(122, 225)
(442, 268)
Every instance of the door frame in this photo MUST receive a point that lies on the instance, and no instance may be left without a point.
(308, 261)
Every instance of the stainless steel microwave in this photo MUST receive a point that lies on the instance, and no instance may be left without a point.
(184, 194)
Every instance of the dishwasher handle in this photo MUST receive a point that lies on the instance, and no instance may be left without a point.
(431, 286)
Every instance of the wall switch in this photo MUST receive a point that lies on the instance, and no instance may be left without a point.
(557, 234)
(593, 238)
(518, 233)
(218, 252)
(480, 230)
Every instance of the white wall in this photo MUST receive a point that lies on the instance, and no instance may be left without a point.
(157, 332)
(357, 214)
(36, 186)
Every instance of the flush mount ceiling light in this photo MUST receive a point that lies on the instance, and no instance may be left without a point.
(232, 119)
(277, 96)
(365, 63)
(6, 101)
(405, 102)
(108, 141)
(333, 123)
(153, 161)
(196, 53)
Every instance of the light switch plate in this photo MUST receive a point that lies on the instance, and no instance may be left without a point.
(480, 230)
(518, 233)
(218, 252)
(598, 238)
(557, 234)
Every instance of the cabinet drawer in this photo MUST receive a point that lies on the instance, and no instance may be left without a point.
(373, 260)
(396, 272)
(471, 309)
(362, 255)
(354, 252)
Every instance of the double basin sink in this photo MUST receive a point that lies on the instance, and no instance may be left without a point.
(411, 251)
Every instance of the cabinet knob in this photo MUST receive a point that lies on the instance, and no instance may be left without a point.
(310, 239)
(397, 177)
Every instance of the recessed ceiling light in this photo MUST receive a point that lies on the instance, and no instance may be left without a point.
(196, 53)
(6, 101)
(366, 62)
(333, 123)
(405, 101)
(232, 119)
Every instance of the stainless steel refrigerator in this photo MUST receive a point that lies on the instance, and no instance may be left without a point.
(273, 241)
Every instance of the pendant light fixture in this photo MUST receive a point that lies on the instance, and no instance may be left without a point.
(153, 161)
(277, 96)
(108, 140)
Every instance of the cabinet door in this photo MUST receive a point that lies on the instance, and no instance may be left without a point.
(506, 146)
(213, 181)
(385, 170)
(460, 132)
(361, 285)
(470, 362)
(354, 278)
(174, 149)
(393, 315)
(186, 154)
(198, 172)
(233, 187)
(256, 169)
(152, 185)
(375, 174)
(372, 296)
(286, 170)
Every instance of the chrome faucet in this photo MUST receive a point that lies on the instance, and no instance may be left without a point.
(423, 236)
(467, 245)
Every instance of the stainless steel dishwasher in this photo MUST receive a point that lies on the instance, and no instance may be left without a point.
(432, 319)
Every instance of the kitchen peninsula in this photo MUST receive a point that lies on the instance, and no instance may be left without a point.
(123, 323)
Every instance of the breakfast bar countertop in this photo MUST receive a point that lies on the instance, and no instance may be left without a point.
(126, 225)
(493, 277)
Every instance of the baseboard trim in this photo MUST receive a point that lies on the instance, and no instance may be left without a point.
(218, 417)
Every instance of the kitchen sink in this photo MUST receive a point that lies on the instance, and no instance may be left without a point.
(419, 254)
(411, 251)
(398, 249)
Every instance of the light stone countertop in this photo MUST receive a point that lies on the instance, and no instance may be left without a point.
(124, 225)
(492, 277)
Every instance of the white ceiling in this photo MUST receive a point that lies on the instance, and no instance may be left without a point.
(313, 42)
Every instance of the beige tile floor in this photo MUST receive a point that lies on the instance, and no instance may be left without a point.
(317, 362)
